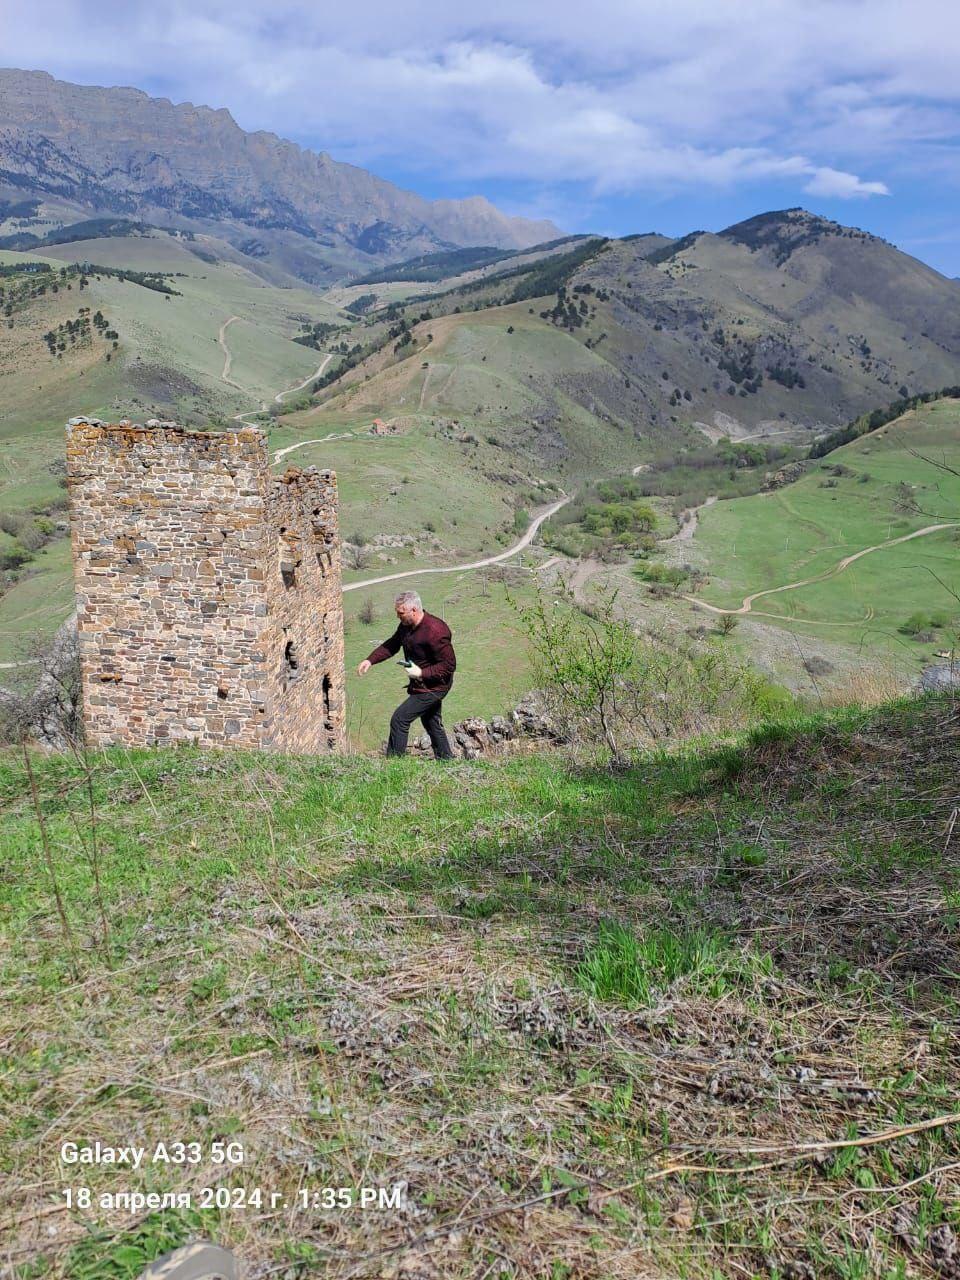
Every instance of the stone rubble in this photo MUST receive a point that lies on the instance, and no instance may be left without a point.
(475, 737)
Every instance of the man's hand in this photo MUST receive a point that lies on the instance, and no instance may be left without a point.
(364, 667)
(413, 671)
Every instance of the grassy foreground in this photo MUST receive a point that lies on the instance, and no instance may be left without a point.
(695, 1019)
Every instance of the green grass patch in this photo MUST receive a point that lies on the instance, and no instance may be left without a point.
(635, 969)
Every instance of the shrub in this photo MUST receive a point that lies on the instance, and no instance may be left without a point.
(916, 623)
(357, 557)
(367, 612)
(32, 536)
(608, 686)
(11, 523)
(14, 557)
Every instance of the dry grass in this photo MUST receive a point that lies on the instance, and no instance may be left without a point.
(398, 1004)
(863, 686)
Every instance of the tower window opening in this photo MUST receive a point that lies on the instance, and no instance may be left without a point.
(291, 663)
(290, 556)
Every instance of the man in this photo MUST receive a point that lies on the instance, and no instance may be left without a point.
(430, 663)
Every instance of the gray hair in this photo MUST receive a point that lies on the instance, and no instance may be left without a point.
(409, 597)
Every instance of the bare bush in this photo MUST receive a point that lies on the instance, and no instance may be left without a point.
(357, 557)
(45, 703)
(32, 537)
(12, 523)
(367, 612)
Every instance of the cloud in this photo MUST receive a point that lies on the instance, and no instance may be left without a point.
(835, 184)
(834, 98)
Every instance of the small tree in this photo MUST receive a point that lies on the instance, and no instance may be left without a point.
(605, 683)
(581, 661)
(727, 622)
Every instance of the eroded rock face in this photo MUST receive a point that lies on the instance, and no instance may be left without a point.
(786, 475)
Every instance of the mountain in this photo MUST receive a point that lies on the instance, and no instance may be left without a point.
(786, 316)
(780, 326)
(83, 150)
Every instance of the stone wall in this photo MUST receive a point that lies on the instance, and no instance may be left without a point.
(198, 579)
(304, 639)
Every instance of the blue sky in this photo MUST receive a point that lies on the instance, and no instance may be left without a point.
(613, 115)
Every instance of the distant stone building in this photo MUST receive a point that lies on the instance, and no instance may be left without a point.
(209, 604)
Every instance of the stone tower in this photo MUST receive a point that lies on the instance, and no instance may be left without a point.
(209, 605)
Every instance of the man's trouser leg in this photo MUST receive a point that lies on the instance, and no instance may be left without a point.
(402, 719)
(438, 735)
(427, 707)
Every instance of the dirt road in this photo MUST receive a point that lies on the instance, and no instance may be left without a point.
(747, 605)
(525, 541)
(581, 576)
(280, 396)
(302, 444)
(689, 527)
(227, 357)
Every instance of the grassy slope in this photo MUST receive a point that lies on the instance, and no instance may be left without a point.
(175, 339)
(804, 529)
(379, 972)
(511, 385)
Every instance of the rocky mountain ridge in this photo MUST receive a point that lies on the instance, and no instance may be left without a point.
(120, 151)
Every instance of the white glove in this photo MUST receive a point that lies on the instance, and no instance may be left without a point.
(414, 671)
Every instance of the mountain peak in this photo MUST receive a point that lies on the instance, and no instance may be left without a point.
(783, 231)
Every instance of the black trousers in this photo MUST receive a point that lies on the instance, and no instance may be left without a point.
(427, 707)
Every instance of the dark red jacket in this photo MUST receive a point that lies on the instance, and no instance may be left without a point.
(428, 645)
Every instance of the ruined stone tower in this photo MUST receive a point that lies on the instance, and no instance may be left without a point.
(209, 605)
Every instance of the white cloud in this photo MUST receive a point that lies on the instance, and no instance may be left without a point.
(832, 97)
(834, 183)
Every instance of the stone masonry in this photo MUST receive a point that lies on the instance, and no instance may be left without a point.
(209, 606)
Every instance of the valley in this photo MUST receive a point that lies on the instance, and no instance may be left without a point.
(522, 380)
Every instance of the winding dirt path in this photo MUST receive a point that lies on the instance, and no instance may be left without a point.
(747, 605)
(525, 541)
(280, 396)
(584, 571)
(302, 444)
(227, 357)
(689, 527)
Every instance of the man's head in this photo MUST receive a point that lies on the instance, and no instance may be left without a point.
(409, 608)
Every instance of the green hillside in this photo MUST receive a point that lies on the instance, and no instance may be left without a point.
(691, 1019)
(868, 493)
(564, 367)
